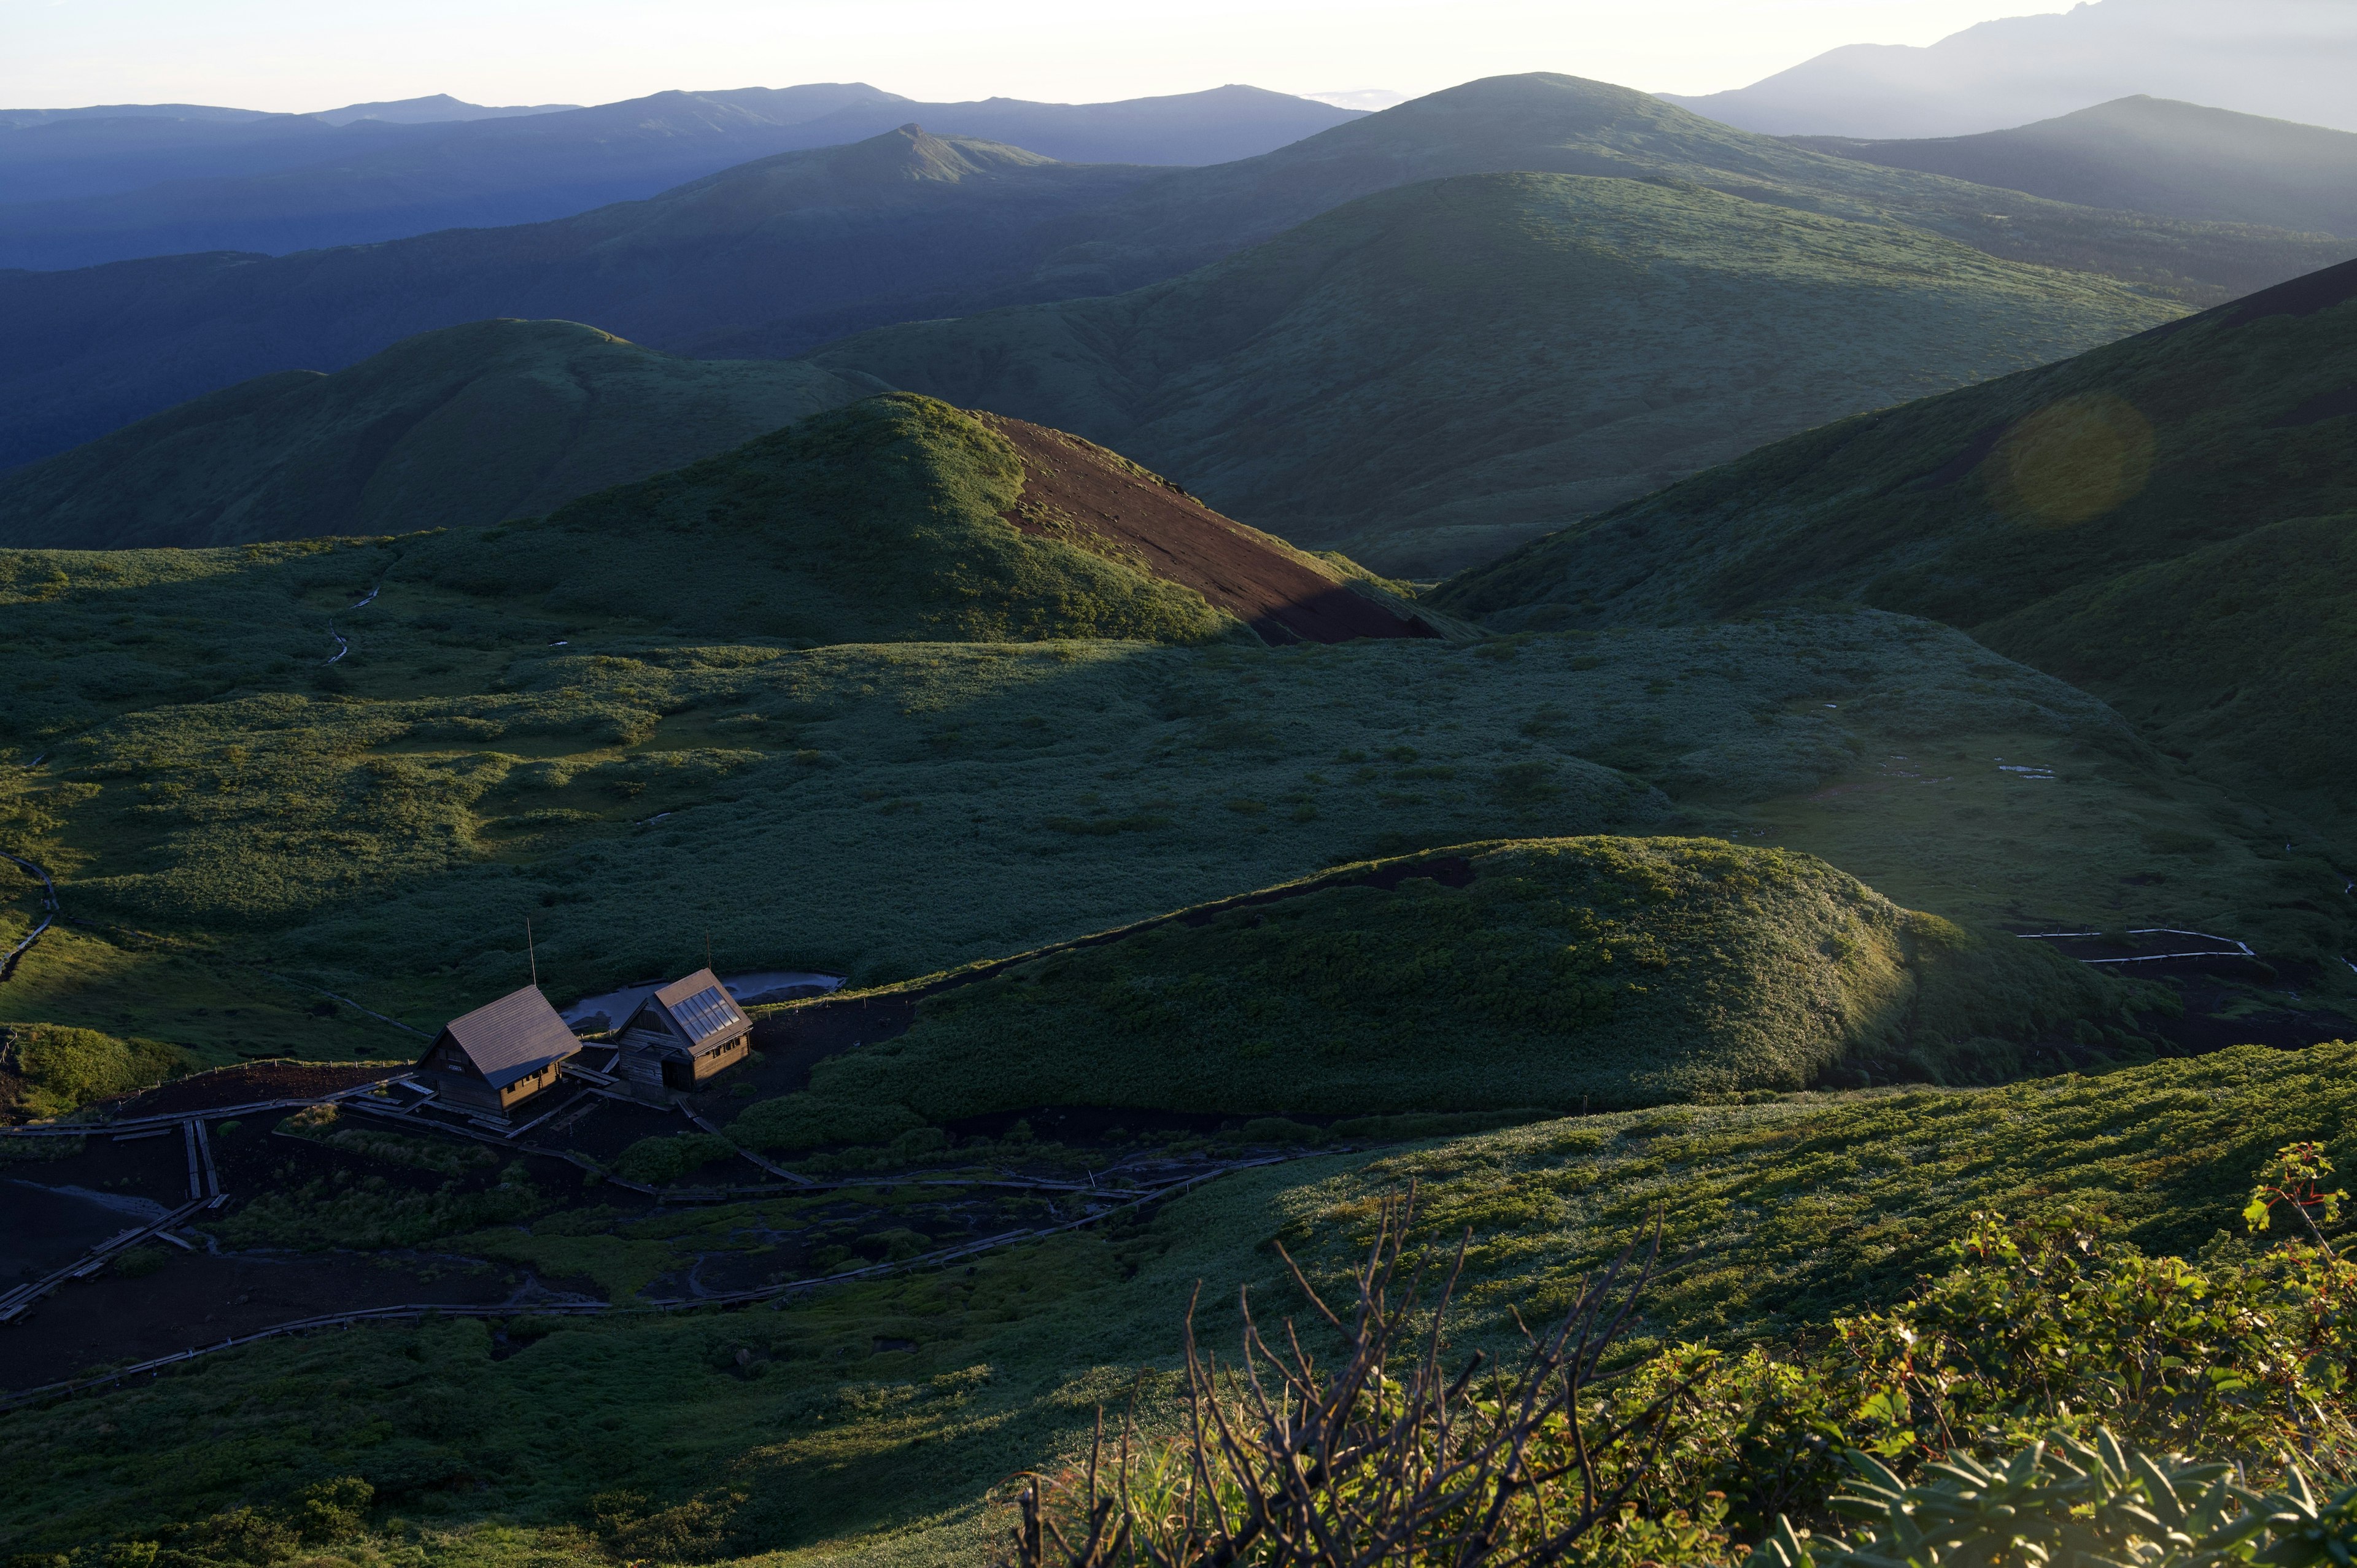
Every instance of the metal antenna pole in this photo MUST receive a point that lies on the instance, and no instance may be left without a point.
(532, 951)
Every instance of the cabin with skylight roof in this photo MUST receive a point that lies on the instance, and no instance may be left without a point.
(681, 1035)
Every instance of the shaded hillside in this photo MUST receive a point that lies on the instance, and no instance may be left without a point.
(1550, 973)
(903, 213)
(90, 190)
(468, 425)
(2151, 155)
(2165, 520)
(775, 258)
(1427, 376)
(2289, 57)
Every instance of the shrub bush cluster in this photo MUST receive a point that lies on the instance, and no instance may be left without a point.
(2033, 1398)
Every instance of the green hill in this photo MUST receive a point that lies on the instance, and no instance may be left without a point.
(2151, 154)
(1554, 974)
(1423, 377)
(879, 523)
(468, 424)
(2165, 520)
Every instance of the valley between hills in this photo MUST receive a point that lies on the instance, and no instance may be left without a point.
(1646, 684)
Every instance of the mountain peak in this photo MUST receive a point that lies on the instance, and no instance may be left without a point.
(911, 152)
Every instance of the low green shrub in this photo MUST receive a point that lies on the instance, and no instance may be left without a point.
(2022, 1408)
(658, 1161)
(59, 1069)
(796, 1123)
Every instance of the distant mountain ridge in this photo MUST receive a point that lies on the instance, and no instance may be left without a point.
(433, 109)
(775, 257)
(903, 214)
(88, 190)
(2291, 60)
(2151, 155)
(1543, 123)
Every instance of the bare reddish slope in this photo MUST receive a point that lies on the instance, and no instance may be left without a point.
(1076, 490)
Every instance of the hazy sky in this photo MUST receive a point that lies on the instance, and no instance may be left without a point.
(307, 54)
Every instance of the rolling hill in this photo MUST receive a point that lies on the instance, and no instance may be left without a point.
(778, 257)
(1427, 376)
(901, 214)
(80, 193)
(2165, 521)
(464, 425)
(2286, 57)
(2151, 155)
(1535, 974)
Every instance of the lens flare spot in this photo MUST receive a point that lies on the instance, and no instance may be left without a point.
(2074, 460)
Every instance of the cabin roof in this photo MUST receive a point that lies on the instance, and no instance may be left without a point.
(701, 1007)
(510, 1039)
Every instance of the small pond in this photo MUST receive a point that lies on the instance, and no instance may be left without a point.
(594, 1014)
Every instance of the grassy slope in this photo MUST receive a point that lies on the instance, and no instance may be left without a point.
(2163, 522)
(1782, 1213)
(397, 443)
(1428, 376)
(1568, 971)
(884, 811)
(2151, 154)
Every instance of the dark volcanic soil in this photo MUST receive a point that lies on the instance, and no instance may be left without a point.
(196, 1299)
(1072, 486)
(251, 1084)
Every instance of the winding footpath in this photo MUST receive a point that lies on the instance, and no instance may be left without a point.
(49, 912)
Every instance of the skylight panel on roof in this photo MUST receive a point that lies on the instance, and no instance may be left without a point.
(706, 1012)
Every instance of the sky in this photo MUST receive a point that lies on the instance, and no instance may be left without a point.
(300, 55)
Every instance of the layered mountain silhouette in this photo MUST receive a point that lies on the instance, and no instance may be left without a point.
(1425, 376)
(100, 188)
(1561, 124)
(899, 216)
(2293, 58)
(2151, 155)
(774, 258)
(468, 425)
(2169, 522)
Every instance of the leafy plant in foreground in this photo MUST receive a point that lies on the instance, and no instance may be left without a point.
(2090, 1503)
(2296, 1179)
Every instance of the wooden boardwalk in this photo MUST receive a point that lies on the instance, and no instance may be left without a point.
(723, 1302)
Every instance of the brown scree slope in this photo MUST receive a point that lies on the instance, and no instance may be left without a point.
(1076, 490)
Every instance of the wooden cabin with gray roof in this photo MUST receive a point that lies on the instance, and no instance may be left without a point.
(681, 1035)
(498, 1055)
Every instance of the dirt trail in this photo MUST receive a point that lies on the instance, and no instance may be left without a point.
(1077, 491)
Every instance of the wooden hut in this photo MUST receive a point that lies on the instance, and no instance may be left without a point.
(681, 1035)
(499, 1055)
